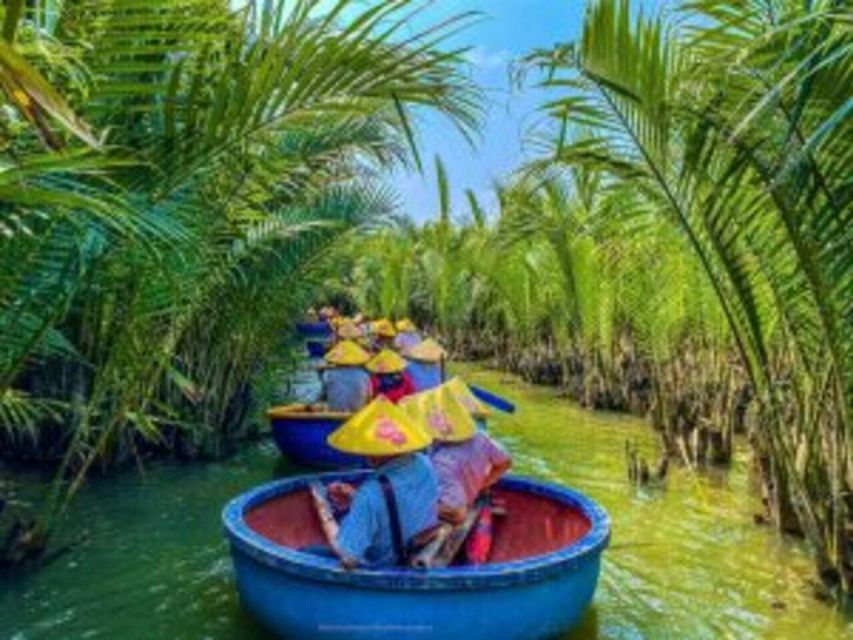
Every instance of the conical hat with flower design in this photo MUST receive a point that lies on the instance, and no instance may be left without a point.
(466, 397)
(347, 354)
(444, 417)
(349, 331)
(380, 429)
(387, 361)
(384, 328)
(405, 326)
(426, 351)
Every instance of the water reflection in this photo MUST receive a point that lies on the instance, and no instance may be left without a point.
(685, 562)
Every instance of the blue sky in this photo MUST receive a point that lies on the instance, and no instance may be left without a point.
(508, 30)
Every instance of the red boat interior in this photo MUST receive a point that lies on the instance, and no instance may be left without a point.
(532, 525)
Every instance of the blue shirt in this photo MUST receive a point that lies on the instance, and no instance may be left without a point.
(347, 388)
(365, 532)
(425, 375)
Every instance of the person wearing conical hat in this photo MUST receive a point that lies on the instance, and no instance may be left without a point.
(389, 376)
(466, 459)
(383, 334)
(426, 364)
(348, 330)
(407, 335)
(346, 383)
(397, 502)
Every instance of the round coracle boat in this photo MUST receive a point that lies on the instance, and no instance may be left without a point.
(314, 329)
(541, 574)
(301, 431)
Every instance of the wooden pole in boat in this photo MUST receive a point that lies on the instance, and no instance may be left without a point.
(324, 512)
(442, 554)
(424, 558)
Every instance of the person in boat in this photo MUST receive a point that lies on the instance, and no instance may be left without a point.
(407, 335)
(397, 505)
(346, 383)
(383, 334)
(426, 364)
(389, 376)
(466, 459)
(348, 330)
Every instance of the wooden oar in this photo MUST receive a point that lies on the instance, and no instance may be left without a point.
(439, 554)
(492, 400)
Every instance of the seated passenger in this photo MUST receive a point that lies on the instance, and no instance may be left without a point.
(396, 503)
(466, 460)
(346, 384)
(407, 335)
(390, 378)
(383, 334)
(426, 364)
(348, 330)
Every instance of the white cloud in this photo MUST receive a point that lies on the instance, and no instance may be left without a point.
(486, 58)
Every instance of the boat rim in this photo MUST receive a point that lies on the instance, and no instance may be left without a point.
(524, 571)
(301, 412)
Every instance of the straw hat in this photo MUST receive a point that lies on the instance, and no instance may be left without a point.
(384, 328)
(426, 351)
(349, 331)
(380, 429)
(387, 361)
(441, 413)
(405, 326)
(347, 354)
(466, 397)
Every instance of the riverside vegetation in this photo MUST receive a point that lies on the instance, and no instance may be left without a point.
(182, 180)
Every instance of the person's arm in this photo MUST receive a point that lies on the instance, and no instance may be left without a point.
(453, 515)
(358, 528)
(452, 505)
(499, 461)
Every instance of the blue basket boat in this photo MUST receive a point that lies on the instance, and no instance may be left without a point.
(542, 574)
(314, 329)
(300, 431)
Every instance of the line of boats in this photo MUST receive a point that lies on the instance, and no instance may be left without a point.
(540, 577)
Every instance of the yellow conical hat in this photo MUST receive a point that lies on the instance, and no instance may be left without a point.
(387, 361)
(426, 351)
(347, 354)
(348, 330)
(380, 429)
(384, 328)
(442, 414)
(466, 397)
(405, 326)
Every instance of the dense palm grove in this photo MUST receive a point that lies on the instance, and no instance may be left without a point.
(680, 247)
(180, 175)
(174, 172)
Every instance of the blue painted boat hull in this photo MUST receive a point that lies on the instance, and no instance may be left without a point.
(294, 597)
(303, 440)
(316, 348)
(314, 329)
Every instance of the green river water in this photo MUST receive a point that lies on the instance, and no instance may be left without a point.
(685, 561)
